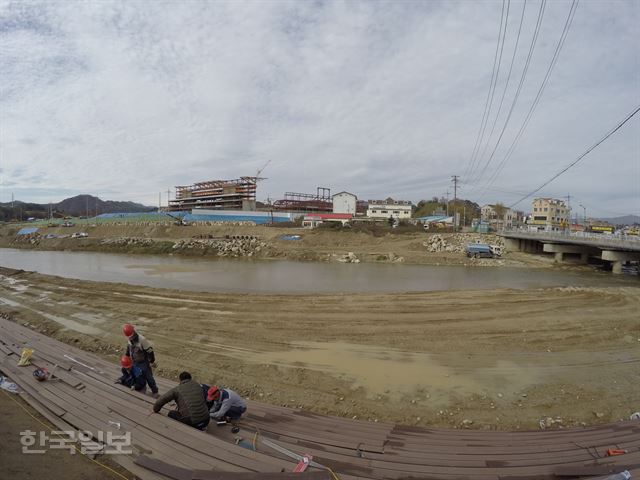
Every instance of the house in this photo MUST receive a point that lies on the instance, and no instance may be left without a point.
(549, 214)
(399, 209)
(344, 202)
(314, 219)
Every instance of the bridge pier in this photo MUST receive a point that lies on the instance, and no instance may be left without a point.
(619, 257)
(513, 244)
(559, 250)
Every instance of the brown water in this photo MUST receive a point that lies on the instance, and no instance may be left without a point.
(285, 277)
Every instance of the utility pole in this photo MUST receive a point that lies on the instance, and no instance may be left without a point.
(447, 194)
(584, 223)
(168, 197)
(13, 212)
(87, 199)
(454, 178)
(569, 212)
(159, 200)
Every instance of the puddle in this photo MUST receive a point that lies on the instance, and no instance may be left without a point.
(397, 373)
(89, 317)
(71, 324)
(11, 303)
(65, 322)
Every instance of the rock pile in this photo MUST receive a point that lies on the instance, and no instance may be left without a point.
(456, 242)
(348, 258)
(127, 242)
(233, 247)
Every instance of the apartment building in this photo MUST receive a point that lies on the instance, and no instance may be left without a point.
(549, 214)
(400, 209)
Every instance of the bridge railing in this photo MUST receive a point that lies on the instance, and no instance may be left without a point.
(603, 239)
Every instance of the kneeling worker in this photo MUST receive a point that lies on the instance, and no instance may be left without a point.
(192, 408)
(132, 376)
(227, 404)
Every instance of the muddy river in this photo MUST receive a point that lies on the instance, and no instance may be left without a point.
(286, 277)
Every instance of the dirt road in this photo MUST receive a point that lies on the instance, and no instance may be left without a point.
(501, 359)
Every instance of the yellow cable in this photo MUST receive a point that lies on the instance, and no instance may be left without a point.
(53, 431)
(333, 474)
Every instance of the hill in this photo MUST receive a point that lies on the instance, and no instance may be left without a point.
(74, 207)
(625, 220)
(80, 204)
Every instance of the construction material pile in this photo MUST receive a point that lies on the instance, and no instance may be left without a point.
(233, 247)
(457, 242)
(32, 238)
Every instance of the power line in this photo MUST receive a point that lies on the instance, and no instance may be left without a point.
(589, 150)
(506, 83)
(523, 76)
(491, 88)
(545, 81)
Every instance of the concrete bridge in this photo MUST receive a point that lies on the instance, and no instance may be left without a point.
(579, 246)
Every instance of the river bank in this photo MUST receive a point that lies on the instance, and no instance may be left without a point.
(374, 245)
(496, 359)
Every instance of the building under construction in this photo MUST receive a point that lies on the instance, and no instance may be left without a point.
(306, 202)
(238, 194)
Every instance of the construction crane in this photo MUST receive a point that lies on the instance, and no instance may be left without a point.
(260, 171)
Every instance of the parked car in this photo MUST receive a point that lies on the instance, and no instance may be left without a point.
(80, 235)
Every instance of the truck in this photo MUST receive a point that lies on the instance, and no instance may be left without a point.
(478, 250)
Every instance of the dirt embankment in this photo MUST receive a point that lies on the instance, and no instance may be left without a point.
(502, 359)
(375, 245)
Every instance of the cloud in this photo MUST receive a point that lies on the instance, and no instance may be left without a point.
(378, 98)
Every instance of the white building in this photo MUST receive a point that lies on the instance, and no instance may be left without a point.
(344, 202)
(400, 209)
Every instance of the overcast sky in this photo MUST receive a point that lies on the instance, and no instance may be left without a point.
(124, 100)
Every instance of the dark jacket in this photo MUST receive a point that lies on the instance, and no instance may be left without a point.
(133, 377)
(191, 403)
(140, 350)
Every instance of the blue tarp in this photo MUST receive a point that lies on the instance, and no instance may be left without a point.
(257, 219)
(27, 230)
(435, 218)
(128, 214)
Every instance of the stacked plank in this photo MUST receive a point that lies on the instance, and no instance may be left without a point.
(82, 396)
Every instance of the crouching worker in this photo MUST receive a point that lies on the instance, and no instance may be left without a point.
(227, 405)
(132, 376)
(192, 408)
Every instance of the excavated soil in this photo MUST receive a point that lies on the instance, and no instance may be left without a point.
(494, 359)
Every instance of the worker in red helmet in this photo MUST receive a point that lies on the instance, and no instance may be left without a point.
(141, 352)
(227, 405)
(132, 376)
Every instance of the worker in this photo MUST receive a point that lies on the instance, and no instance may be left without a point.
(132, 376)
(227, 404)
(192, 408)
(141, 352)
(205, 392)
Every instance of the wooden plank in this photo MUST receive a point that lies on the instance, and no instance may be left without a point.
(204, 475)
(590, 471)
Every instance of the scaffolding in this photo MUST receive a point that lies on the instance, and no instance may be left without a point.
(306, 202)
(237, 194)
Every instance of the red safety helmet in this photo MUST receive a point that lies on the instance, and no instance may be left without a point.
(125, 361)
(41, 374)
(128, 330)
(212, 393)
